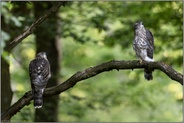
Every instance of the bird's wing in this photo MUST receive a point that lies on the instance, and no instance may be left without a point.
(39, 71)
(150, 38)
(150, 42)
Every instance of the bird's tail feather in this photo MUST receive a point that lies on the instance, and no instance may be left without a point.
(38, 103)
(148, 74)
(38, 99)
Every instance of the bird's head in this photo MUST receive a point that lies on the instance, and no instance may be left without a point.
(42, 55)
(138, 25)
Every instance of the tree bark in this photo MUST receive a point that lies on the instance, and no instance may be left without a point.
(6, 91)
(47, 41)
(11, 44)
(91, 72)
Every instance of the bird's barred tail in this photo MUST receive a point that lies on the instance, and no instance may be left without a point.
(148, 74)
(38, 99)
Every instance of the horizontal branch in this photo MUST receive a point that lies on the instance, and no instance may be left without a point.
(90, 72)
(29, 30)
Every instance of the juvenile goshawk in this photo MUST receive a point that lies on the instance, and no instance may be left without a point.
(39, 71)
(144, 46)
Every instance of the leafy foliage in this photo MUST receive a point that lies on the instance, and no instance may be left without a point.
(96, 32)
(106, 29)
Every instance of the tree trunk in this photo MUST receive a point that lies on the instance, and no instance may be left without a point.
(47, 41)
(6, 91)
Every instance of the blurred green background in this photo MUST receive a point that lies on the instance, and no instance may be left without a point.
(97, 32)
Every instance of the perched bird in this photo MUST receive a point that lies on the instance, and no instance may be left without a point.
(144, 46)
(39, 71)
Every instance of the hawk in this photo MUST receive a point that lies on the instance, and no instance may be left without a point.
(143, 45)
(39, 71)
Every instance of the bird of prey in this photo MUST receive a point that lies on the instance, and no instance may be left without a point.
(39, 71)
(144, 46)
